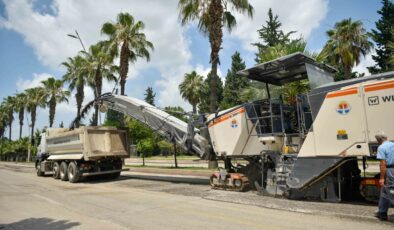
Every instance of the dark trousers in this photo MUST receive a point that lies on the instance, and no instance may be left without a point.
(384, 200)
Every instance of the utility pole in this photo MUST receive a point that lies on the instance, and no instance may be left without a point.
(176, 161)
(77, 37)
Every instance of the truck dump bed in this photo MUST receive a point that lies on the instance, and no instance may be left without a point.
(88, 143)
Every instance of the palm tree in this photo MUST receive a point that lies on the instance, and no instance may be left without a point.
(37, 98)
(21, 101)
(9, 106)
(98, 66)
(54, 94)
(127, 35)
(212, 15)
(3, 120)
(348, 41)
(3, 125)
(76, 78)
(191, 89)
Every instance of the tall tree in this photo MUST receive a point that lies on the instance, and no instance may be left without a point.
(271, 35)
(234, 83)
(212, 15)
(97, 67)
(150, 96)
(9, 105)
(20, 106)
(204, 106)
(126, 34)
(348, 41)
(37, 98)
(77, 79)
(54, 94)
(383, 36)
(3, 121)
(191, 89)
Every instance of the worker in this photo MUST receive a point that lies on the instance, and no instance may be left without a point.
(386, 157)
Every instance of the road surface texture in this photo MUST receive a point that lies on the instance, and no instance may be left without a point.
(31, 202)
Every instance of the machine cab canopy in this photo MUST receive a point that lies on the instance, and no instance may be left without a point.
(291, 68)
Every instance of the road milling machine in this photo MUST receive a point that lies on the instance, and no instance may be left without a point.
(309, 149)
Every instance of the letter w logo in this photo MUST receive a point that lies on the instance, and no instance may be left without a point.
(373, 100)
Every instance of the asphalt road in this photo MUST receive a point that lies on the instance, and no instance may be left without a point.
(31, 202)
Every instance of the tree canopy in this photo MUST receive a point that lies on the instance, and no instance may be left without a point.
(150, 96)
(383, 36)
(347, 42)
(271, 35)
(234, 84)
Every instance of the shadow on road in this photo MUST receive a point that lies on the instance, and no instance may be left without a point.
(40, 223)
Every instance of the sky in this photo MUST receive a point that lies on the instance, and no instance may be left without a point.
(34, 42)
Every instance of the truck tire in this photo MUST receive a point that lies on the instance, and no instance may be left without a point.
(63, 171)
(73, 173)
(38, 169)
(56, 170)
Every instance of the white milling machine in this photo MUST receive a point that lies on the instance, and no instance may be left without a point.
(309, 150)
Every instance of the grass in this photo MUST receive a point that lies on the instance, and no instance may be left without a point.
(171, 158)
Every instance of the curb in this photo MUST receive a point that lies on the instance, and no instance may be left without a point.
(168, 177)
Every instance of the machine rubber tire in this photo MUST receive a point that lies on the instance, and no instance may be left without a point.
(56, 170)
(38, 169)
(63, 171)
(73, 172)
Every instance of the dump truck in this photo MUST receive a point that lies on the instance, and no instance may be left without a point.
(71, 155)
(307, 147)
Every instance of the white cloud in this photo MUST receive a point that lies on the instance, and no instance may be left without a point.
(201, 70)
(23, 84)
(47, 34)
(301, 16)
(365, 62)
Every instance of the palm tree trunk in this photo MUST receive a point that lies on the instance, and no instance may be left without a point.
(21, 117)
(52, 110)
(194, 108)
(9, 130)
(33, 122)
(347, 72)
(124, 66)
(215, 39)
(98, 84)
(79, 96)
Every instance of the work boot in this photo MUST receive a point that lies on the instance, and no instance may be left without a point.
(381, 216)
